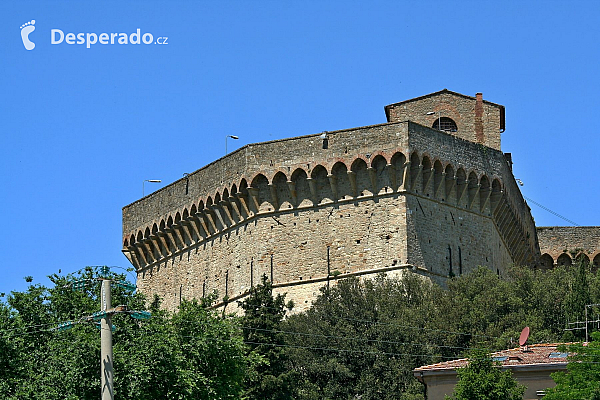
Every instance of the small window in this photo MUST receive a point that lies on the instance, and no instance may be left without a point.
(445, 124)
(500, 358)
(558, 355)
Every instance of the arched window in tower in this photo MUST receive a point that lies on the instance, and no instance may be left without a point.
(445, 124)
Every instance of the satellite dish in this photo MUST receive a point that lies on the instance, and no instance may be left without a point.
(524, 336)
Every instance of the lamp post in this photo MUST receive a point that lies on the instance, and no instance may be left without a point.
(229, 136)
(148, 180)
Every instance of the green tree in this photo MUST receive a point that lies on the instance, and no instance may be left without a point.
(484, 379)
(361, 339)
(261, 325)
(193, 353)
(582, 379)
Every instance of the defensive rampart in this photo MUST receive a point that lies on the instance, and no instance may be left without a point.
(307, 210)
(560, 244)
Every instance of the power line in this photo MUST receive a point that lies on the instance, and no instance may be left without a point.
(405, 326)
(360, 339)
(550, 211)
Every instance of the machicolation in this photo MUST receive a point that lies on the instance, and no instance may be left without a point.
(305, 211)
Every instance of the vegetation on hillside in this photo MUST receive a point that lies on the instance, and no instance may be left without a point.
(360, 339)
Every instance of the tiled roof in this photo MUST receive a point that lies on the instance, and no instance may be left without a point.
(535, 354)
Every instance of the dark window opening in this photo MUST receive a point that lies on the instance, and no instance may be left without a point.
(450, 272)
(445, 124)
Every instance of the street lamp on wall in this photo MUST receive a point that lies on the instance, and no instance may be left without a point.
(148, 180)
(232, 137)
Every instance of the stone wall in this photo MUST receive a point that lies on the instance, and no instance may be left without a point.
(559, 244)
(375, 199)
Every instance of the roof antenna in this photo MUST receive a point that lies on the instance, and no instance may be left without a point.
(523, 339)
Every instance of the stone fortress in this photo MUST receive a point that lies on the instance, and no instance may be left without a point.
(429, 192)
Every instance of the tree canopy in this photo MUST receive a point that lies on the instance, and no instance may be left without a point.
(193, 353)
(483, 379)
(361, 338)
(582, 379)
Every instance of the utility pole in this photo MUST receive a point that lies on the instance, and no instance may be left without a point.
(102, 319)
(586, 319)
(106, 359)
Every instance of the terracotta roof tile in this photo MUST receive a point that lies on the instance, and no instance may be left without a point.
(535, 354)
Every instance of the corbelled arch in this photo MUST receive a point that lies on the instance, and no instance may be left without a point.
(449, 184)
(260, 194)
(427, 175)
(280, 192)
(461, 186)
(342, 183)
(320, 185)
(485, 191)
(380, 179)
(438, 179)
(398, 162)
(415, 170)
(300, 188)
(546, 262)
(564, 259)
(582, 257)
(472, 190)
(225, 196)
(360, 175)
(496, 195)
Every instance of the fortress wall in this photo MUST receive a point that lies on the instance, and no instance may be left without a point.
(289, 246)
(558, 240)
(511, 214)
(452, 241)
(340, 209)
(267, 158)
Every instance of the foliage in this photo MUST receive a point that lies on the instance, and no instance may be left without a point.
(261, 325)
(361, 339)
(582, 379)
(193, 353)
(483, 379)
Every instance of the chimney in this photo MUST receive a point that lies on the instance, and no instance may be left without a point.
(479, 118)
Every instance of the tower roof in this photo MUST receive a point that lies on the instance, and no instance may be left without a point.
(446, 91)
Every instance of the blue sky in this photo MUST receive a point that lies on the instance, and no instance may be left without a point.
(81, 128)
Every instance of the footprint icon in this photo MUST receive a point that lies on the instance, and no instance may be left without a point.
(26, 29)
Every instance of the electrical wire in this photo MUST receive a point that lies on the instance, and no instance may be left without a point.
(550, 211)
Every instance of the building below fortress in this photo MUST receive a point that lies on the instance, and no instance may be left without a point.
(428, 192)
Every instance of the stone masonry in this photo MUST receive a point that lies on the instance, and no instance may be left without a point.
(398, 197)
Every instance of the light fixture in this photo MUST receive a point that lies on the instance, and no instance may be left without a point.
(232, 137)
(148, 180)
